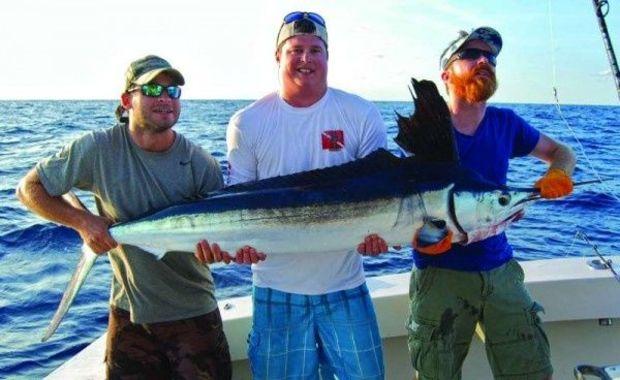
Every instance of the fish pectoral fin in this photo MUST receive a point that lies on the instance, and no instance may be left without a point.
(432, 232)
(434, 237)
(158, 252)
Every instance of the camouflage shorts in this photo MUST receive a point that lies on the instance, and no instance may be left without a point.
(446, 305)
(193, 348)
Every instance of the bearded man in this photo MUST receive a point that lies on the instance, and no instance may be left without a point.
(481, 282)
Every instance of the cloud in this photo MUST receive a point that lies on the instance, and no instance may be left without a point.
(604, 73)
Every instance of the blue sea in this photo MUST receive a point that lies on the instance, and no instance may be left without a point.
(38, 257)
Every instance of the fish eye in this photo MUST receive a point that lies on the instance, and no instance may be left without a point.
(504, 199)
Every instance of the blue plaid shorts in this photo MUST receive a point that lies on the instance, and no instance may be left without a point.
(295, 336)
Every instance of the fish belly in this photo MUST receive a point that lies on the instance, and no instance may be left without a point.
(313, 228)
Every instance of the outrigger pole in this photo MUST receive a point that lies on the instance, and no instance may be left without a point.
(600, 15)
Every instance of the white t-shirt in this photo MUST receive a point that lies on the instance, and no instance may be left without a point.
(272, 138)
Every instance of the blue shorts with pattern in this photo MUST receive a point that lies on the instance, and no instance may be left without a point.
(295, 336)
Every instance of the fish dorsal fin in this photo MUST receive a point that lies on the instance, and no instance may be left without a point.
(379, 161)
(428, 133)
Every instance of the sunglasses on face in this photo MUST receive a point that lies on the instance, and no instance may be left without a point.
(155, 90)
(296, 16)
(472, 54)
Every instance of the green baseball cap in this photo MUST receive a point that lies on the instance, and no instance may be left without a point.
(143, 71)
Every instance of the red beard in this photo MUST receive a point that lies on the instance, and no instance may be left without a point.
(474, 87)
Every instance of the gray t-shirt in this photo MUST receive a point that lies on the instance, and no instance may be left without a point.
(128, 182)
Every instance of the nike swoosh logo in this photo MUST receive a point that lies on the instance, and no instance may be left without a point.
(183, 163)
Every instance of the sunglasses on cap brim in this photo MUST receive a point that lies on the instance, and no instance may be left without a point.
(296, 16)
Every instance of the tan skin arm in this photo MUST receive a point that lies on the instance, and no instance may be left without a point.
(93, 229)
(559, 156)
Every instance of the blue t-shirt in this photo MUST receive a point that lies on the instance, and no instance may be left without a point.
(501, 136)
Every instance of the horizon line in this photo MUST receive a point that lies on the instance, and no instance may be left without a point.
(251, 100)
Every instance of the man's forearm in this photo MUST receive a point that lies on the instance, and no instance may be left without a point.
(33, 195)
(564, 159)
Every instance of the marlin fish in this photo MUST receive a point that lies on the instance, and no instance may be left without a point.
(333, 209)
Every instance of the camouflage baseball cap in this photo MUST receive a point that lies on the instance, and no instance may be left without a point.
(298, 23)
(143, 71)
(488, 35)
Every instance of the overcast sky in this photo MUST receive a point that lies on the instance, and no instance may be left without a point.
(79, 49)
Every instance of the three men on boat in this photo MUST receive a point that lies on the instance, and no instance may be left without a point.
(164, 320)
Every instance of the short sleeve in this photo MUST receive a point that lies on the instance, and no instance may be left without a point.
(374, 134)
(525, 136)
(71, 167)
(242, 162)
(207, 172)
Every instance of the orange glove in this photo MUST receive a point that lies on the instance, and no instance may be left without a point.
(438, 248)
(556, 183)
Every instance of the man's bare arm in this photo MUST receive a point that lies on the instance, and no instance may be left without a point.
(558, 155)
(93, 229)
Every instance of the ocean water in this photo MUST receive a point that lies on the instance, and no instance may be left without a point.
(38, 257)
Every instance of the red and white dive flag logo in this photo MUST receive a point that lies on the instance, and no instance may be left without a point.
(333, 140)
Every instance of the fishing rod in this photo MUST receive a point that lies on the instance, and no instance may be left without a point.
(598, 5)
(600, 15)
(605, 263)
(536, 190)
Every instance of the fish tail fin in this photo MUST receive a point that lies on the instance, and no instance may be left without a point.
(87, 260)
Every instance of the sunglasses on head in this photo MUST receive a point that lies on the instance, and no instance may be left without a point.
(155, 90)
(472, 54)
(296, 16)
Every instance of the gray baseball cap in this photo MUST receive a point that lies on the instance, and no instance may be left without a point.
(488, 35)
(298, 23)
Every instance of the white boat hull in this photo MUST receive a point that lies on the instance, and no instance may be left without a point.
(582, 321)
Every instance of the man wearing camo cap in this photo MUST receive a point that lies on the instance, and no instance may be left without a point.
(482, 282)
(164, 320)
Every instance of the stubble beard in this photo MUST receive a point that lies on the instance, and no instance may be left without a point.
(153, 125)
(155, 128)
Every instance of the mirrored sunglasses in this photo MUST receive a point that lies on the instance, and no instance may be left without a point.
(155, 90)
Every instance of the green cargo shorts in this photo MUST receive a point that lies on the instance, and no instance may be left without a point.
(445, 307)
